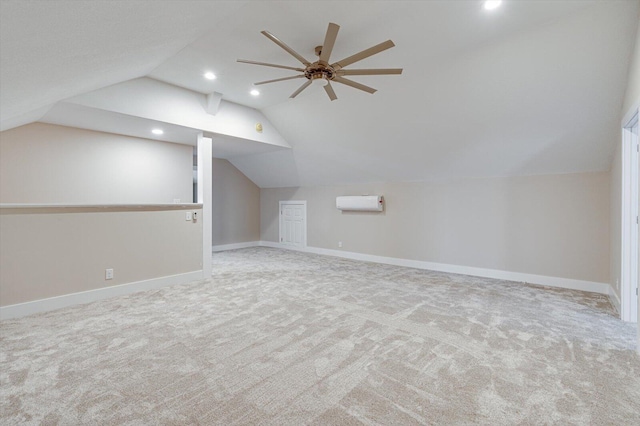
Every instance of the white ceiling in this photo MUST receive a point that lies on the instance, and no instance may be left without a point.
(55, 49)
(535, 87)
(81, 116)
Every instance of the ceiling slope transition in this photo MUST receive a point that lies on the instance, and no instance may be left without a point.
(535, 87)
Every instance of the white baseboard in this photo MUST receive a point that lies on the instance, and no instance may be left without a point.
(615, 300)
(234, 246)
(52, 303)
(590, 286)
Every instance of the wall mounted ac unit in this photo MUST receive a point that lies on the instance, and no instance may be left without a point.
(362, 203)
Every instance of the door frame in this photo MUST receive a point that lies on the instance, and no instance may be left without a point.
(630, 189)
(280, 217)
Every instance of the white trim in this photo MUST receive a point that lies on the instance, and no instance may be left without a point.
(590, 286)
(224, 247)
(635, 107)
(629, 237)
(52, 303)
(615, 300)
(101, 207)
(205, 197)
(292, 202)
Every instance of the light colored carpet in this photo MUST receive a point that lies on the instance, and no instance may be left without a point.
(279, 337)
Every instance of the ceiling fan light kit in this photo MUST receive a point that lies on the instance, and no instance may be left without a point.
(319, 81)
(321, 72)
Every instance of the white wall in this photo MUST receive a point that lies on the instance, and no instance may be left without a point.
(44, 163)
(553, 225)
(236, 205)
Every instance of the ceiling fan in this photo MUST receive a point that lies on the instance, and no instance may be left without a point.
(322, 72)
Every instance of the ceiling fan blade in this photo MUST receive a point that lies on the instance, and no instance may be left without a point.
(278, 79)
(364, 54)
(264, 64)
(304, 86)
(329, 41)
(371, 71)
(330, 92)
(292, 52)
(354, 84)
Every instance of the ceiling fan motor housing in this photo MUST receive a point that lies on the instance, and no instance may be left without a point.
(317, 70)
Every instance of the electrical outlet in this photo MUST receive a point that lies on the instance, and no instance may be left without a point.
(108, 274)
(187, 216)
(339, 244)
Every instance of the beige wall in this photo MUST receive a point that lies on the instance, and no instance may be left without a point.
(56, 251)
(44, 163)
(236, 205)
(556, 225)
(632, 95)
(52, 252)
(615, 216)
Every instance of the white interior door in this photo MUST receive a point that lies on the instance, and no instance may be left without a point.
(293, 223)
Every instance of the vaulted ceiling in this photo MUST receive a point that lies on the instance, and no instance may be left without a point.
(533, 87)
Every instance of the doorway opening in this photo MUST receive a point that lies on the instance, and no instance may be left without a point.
(630, 218)
(293, 223)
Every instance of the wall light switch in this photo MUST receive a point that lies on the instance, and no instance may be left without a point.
(108, 274)
(187, 216)
(339, 244)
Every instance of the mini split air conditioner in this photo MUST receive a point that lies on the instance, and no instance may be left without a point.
(361, 203)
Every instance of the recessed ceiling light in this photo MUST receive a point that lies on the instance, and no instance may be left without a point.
(255, 92)
(157, 131)
(492, 4)
(209, 75)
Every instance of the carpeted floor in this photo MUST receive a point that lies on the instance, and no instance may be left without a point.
(279, 337)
